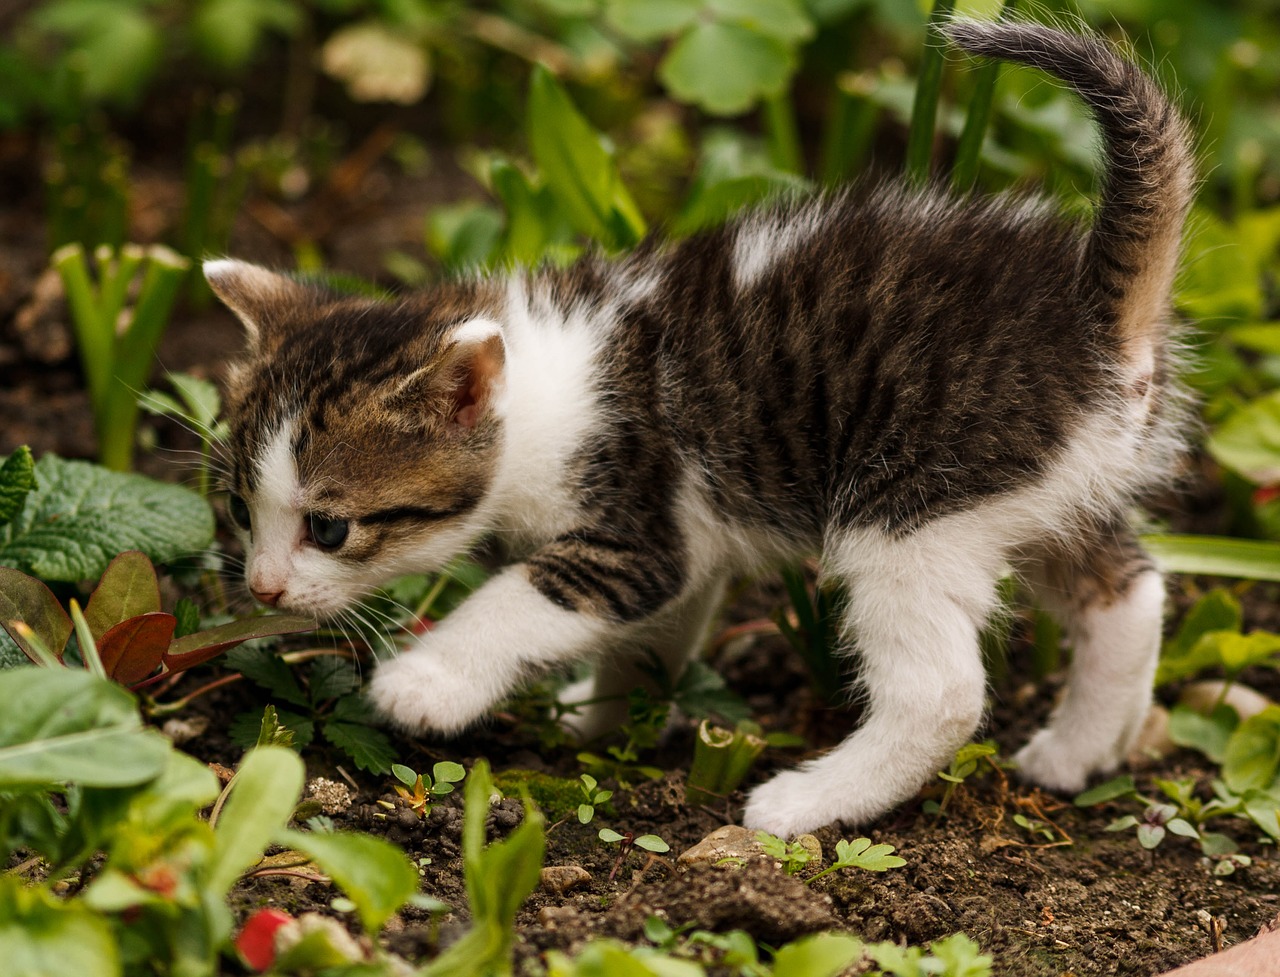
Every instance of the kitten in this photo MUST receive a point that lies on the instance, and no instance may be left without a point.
(928, 390)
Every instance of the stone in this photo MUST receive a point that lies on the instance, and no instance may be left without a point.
(729, 841)
(559, 879)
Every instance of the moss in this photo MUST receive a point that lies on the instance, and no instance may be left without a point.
(556, 797)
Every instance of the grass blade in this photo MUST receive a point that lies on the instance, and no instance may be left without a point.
(924, 113)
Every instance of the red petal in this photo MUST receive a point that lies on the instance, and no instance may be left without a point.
(257, 940)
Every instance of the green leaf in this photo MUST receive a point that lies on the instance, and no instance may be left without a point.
(726, 68)
(26, 599)
(1121, 786)
(82, 515)
(374, 873)
(464, 236)
(73, 727)
(1183, 828)
(1252, 757)
(204, 645)
(332, 677)
(1263, 808)
(447, 771)
(1248, 442)
(120, 46)
(262, 797)
(651, 20)
(227, 32)
(820, 955)
(577, 168)
(268, 670)
(17, 479)
(860, 853)
(1150, 835)
(128, 588)
(1208, 734)
(652, 843)
(1184, 655)
(42, 936)
(368, 747)
(960, 957)
(1216, 556)
(785, 20)
(406, 775)
(609, 836)
(188, 616)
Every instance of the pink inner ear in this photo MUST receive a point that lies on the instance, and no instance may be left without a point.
(475, 385)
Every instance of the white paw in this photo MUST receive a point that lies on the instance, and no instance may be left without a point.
(419, 691)
(1060, 766)
(791, 804)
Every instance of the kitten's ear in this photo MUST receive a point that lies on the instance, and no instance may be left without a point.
(260, 298)
(458, 387)
(472, 371)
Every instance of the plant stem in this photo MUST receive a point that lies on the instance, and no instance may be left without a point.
(93, 337)
(849, 130)
(924, 113)
(782, 133)
(964, 171)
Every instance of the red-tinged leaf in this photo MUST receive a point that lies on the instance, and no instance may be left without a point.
(1265, 494)
(203, 645)
(133, 649)
(26, 599)
(128, 589)
(256, 943)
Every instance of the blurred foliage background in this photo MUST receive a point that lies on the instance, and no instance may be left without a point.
(542, 126)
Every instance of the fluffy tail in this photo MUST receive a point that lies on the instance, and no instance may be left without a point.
(1132, 249)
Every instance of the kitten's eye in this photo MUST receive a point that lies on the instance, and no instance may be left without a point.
(328, 534)
(239, 510)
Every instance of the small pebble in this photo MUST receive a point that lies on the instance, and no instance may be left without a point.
(559, 879)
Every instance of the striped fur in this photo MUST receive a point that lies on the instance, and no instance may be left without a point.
(925, 390)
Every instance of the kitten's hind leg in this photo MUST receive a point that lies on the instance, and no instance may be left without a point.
(1110, 599)
(669, 641)
(916, 605)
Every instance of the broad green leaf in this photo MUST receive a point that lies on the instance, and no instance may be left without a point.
(860, 853)
(651, 20)
(821, 955)
(1184, 654)
(1208, 734)
(73, 727)
(262, 796)
(133, 649)
(1121, 786)
(203, 645)
(42, 936)
(406, 775)
(1150, 835)
(652, 843)
(227, 32)
(1252, 758)
(1263, 808)
(332, 677)
(1239, 651)
(1216, 556)
(128, 588)
(464, 236)
(785, 20)
(577, 168)
(1248, 442)
(82, 515)
(26, 599)
(17, 479)
(533, 219)
(119, 45)
(726, 68)
(374, 873)
(201, 398)
(368, 747)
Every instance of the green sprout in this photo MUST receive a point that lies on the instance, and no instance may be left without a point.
(418, 790)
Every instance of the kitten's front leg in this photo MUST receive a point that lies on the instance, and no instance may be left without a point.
(480, 653)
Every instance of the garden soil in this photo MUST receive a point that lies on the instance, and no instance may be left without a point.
(1068, 898)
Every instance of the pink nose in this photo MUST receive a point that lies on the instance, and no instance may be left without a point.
(270, 599)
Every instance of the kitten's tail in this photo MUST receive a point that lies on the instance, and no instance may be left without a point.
(1148, 183)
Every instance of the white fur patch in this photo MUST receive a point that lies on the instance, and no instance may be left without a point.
(764, 239)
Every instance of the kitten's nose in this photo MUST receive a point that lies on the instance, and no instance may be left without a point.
(270, 599)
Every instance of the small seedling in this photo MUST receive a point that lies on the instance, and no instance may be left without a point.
(419, 790)
(122, 631)
(1035, 827)
(647, 718)
(793, 856)
(593, 797)
(626, 842)
(963, 765)
(116, 344)
(812, 627)
(860, 853)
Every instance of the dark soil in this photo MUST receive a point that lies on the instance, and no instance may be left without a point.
(1091, 902)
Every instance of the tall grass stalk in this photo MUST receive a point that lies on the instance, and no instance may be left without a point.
(964, 172)
(117, 348)
(924, 113)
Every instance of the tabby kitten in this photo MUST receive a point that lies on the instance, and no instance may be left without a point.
(928, 390)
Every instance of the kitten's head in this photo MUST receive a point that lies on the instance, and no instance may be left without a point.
(364, 434)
